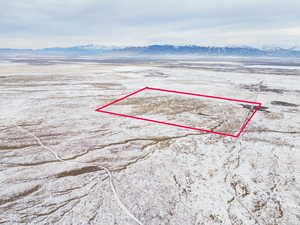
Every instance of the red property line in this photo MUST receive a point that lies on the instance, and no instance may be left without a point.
(244, 126)
(208, 96)
(172, 124)
(121, 98)
(177, 125)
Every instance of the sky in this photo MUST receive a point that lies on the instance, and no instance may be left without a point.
(50, 23)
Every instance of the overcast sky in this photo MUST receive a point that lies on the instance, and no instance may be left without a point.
(48, 23)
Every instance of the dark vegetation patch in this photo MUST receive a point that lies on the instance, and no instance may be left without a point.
(283, 103)
(262, 88)
(20, 195)
(251, 107)
(108, 86)
(76, 172)
(15, 147)
(156, 74)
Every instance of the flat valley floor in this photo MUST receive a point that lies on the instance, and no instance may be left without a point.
(164, 175)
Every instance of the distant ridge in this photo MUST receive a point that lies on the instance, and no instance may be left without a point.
(159, 50)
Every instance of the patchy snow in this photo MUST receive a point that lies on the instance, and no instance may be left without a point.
(163, 174)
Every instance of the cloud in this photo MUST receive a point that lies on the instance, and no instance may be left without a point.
(45, 23)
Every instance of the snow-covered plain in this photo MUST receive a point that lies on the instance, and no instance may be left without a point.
(163, 174)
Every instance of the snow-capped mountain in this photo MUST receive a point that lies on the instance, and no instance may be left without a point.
(162, 50)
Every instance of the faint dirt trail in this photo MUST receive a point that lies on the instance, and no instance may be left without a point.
(121, 204)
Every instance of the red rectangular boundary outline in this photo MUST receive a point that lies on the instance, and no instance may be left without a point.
(182, 126)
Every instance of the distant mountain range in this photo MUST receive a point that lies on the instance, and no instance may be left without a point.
(159, 50)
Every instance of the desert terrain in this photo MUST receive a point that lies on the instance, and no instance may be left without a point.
(54, 146)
